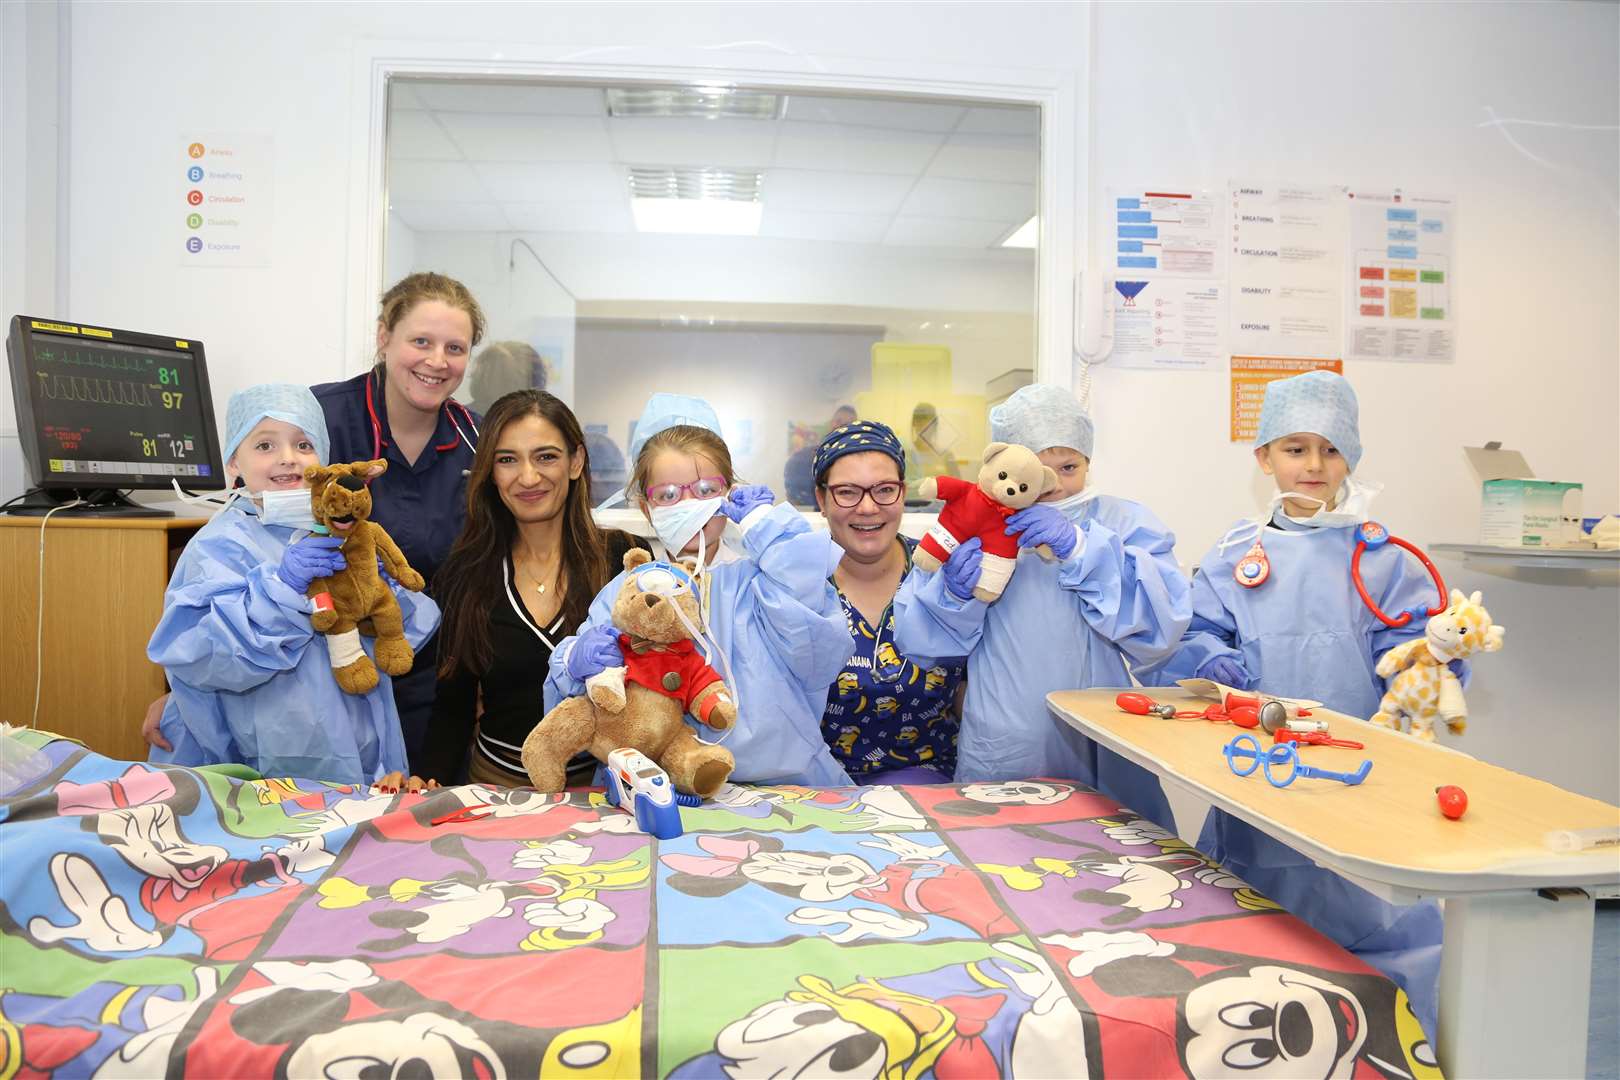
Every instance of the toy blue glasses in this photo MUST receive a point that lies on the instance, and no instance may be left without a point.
(1281, 762)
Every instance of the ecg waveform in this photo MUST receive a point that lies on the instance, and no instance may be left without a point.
(94, 390)
(118, 361)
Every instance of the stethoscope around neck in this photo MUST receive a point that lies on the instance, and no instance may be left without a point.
(376, 424)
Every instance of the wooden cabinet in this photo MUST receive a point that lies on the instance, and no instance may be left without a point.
(104, 580)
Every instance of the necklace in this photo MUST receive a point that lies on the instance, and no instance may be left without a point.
(539, 586)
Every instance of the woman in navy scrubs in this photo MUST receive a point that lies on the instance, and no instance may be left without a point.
(401, 411)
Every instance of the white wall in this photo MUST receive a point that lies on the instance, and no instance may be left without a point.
(1193, 95)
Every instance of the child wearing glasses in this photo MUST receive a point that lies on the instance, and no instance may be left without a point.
(888, 720)
(766, 605)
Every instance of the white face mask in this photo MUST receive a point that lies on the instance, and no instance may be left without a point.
(1069, 505)
(1353, 507)
(288, 508)
(671, 581)
(676, 525)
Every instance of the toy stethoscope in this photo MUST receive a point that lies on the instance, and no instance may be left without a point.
(1254, 569)
(376, 425)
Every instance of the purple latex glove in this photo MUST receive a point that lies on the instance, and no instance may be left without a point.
(1036, 525)
(594, 651)
(310, 558)
(1226, 670)
(746, 499)
(961, 569)
(1463, 670)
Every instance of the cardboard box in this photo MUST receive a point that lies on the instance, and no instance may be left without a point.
(1516, 508)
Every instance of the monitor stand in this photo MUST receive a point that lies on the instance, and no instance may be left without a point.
(98, 502)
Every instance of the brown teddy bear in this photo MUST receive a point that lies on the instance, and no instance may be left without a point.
(1010, 478)
(356, 599)
(642, 704)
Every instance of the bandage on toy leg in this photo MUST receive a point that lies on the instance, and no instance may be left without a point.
(606, 689)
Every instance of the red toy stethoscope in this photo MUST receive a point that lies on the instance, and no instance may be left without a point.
(377, 442)
(1254, 569)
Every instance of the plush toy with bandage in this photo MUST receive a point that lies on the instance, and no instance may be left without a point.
(643, 703)
(1011, 478)
(357, 600)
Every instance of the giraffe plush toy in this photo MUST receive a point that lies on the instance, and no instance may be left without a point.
(1421, 687)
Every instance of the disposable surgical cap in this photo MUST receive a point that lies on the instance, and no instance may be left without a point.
(665, 411)
(287, 402)
(1319, 402)
(1041, 416)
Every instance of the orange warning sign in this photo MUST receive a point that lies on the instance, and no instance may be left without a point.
(1250, 374)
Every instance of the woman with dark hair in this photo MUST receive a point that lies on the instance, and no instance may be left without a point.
(519, 580)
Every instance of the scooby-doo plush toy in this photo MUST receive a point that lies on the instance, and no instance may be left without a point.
(356, 599)
(642, 704)
(1011, 477)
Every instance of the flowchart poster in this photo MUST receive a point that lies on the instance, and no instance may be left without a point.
(1166, 233)
(1400, 295)
(225, 199)
(1288, 255)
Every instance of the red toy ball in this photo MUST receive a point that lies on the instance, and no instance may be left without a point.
(1453, 801)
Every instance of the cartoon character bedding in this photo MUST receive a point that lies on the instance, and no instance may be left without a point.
(170, 921)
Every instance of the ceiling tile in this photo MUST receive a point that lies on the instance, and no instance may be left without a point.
(661, 140)
(1007, 158)
(845, 193)
(913, 231)
(978, 199)
(450, 216)
(433, 181)
(854, 149)
(558, 182)
(1006, 120)
(469, 96)
(597, 217)
(416, 135)
(512, 137)
(905, 115)
(829, 228)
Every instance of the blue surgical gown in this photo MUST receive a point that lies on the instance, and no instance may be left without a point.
(1306, 633)
(776, 618)
(1057, 626)
(251, 679)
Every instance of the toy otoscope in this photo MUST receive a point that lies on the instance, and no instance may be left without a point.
(1370, 534)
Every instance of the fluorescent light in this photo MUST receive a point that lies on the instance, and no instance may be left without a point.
(681, 182)
(1026, 235)
(707, 100)
(716, 217)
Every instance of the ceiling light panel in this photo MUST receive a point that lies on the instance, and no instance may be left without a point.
(729, 185)
(694, 101)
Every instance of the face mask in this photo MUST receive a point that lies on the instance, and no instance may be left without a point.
(1069, 505)
(289, 509)
(1353, 508)
(676, 525)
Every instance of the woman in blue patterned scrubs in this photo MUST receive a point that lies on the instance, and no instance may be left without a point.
(888, 721)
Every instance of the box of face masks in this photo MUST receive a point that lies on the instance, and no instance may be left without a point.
(1516, 508)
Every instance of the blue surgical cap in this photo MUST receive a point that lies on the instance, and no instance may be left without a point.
(665, 411)
(287, 402)
(863, 436)
(1319, 402)
(1041, 416)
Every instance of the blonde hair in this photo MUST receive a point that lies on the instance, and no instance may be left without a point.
(413, 289)
(684, 439)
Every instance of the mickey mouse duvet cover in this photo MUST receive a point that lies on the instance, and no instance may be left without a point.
(163, 921)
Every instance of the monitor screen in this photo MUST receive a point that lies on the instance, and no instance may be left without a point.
(100, 408)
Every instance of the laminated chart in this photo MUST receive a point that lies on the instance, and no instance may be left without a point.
(1399, 302)
(1288, 254)
(1169, 233)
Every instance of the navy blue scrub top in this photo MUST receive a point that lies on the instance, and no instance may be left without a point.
(423, 506)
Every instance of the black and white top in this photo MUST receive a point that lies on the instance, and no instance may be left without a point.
(513, 687)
